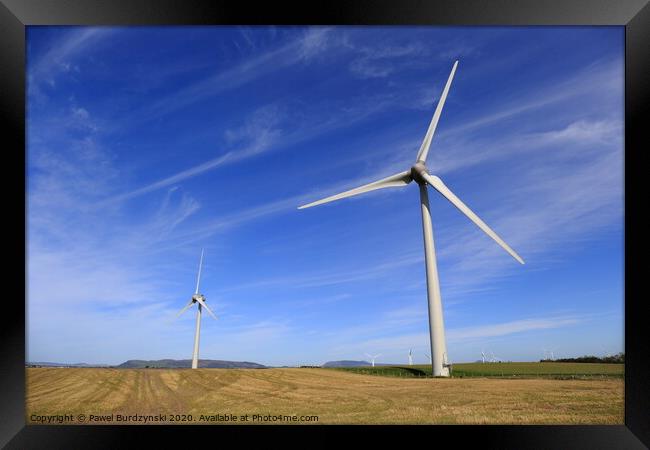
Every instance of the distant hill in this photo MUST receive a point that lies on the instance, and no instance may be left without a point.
(187, 363)
(347, 363)
(56, 364)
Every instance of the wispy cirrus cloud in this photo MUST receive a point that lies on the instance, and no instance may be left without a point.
(73, 246)
(312, 41)
(60, 58)
(386, 58)
(513, 327)
(274, 127)
(549, 206)
(376, 62)
(338, 276)
(582, 132)
(600, 78)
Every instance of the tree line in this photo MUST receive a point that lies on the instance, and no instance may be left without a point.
(618, 358)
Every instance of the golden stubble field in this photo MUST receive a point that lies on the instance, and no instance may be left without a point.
(336, 397)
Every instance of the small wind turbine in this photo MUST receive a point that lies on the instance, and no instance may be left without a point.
(549, 355)
(420, 173)
(200, 300)
(372, 358)
(428, 357)
(483, 356)
(410, 357)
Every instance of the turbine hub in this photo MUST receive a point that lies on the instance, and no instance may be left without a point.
(418, 169)
(196, 297)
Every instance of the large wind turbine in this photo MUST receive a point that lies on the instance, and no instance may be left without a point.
(200, 300)
(420, 174)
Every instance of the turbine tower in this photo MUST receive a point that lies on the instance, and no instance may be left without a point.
(410, 357)
(420, 174)
(200, 300)
(372, 358)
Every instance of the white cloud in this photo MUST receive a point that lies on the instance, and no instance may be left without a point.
(371, 271)
(513, 327)
(379, 62)
(58, 58)
(550, 207)
(314, 42)
(290, 53)
(80, 113)
(583, 132)
(267, 129)
(595, 81)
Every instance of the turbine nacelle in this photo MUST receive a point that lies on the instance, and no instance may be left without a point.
(418, 172)
(197, 299)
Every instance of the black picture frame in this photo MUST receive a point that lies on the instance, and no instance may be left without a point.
(634, 15)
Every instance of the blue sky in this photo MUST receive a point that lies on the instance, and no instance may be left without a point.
(145, 144)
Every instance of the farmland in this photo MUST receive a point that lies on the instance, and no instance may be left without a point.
(324, 396)
(502, 370)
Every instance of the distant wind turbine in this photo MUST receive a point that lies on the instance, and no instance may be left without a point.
(428, 357)
(200, 300)
(483, 356)
(410, 357)
(372, 358)
(420, 174)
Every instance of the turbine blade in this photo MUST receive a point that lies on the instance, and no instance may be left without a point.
(397, 180)
(206, 308)
(184, 309)
(198, 278)
(426, 143)
(446, 192)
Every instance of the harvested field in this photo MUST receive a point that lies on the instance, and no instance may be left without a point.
(334, 396)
